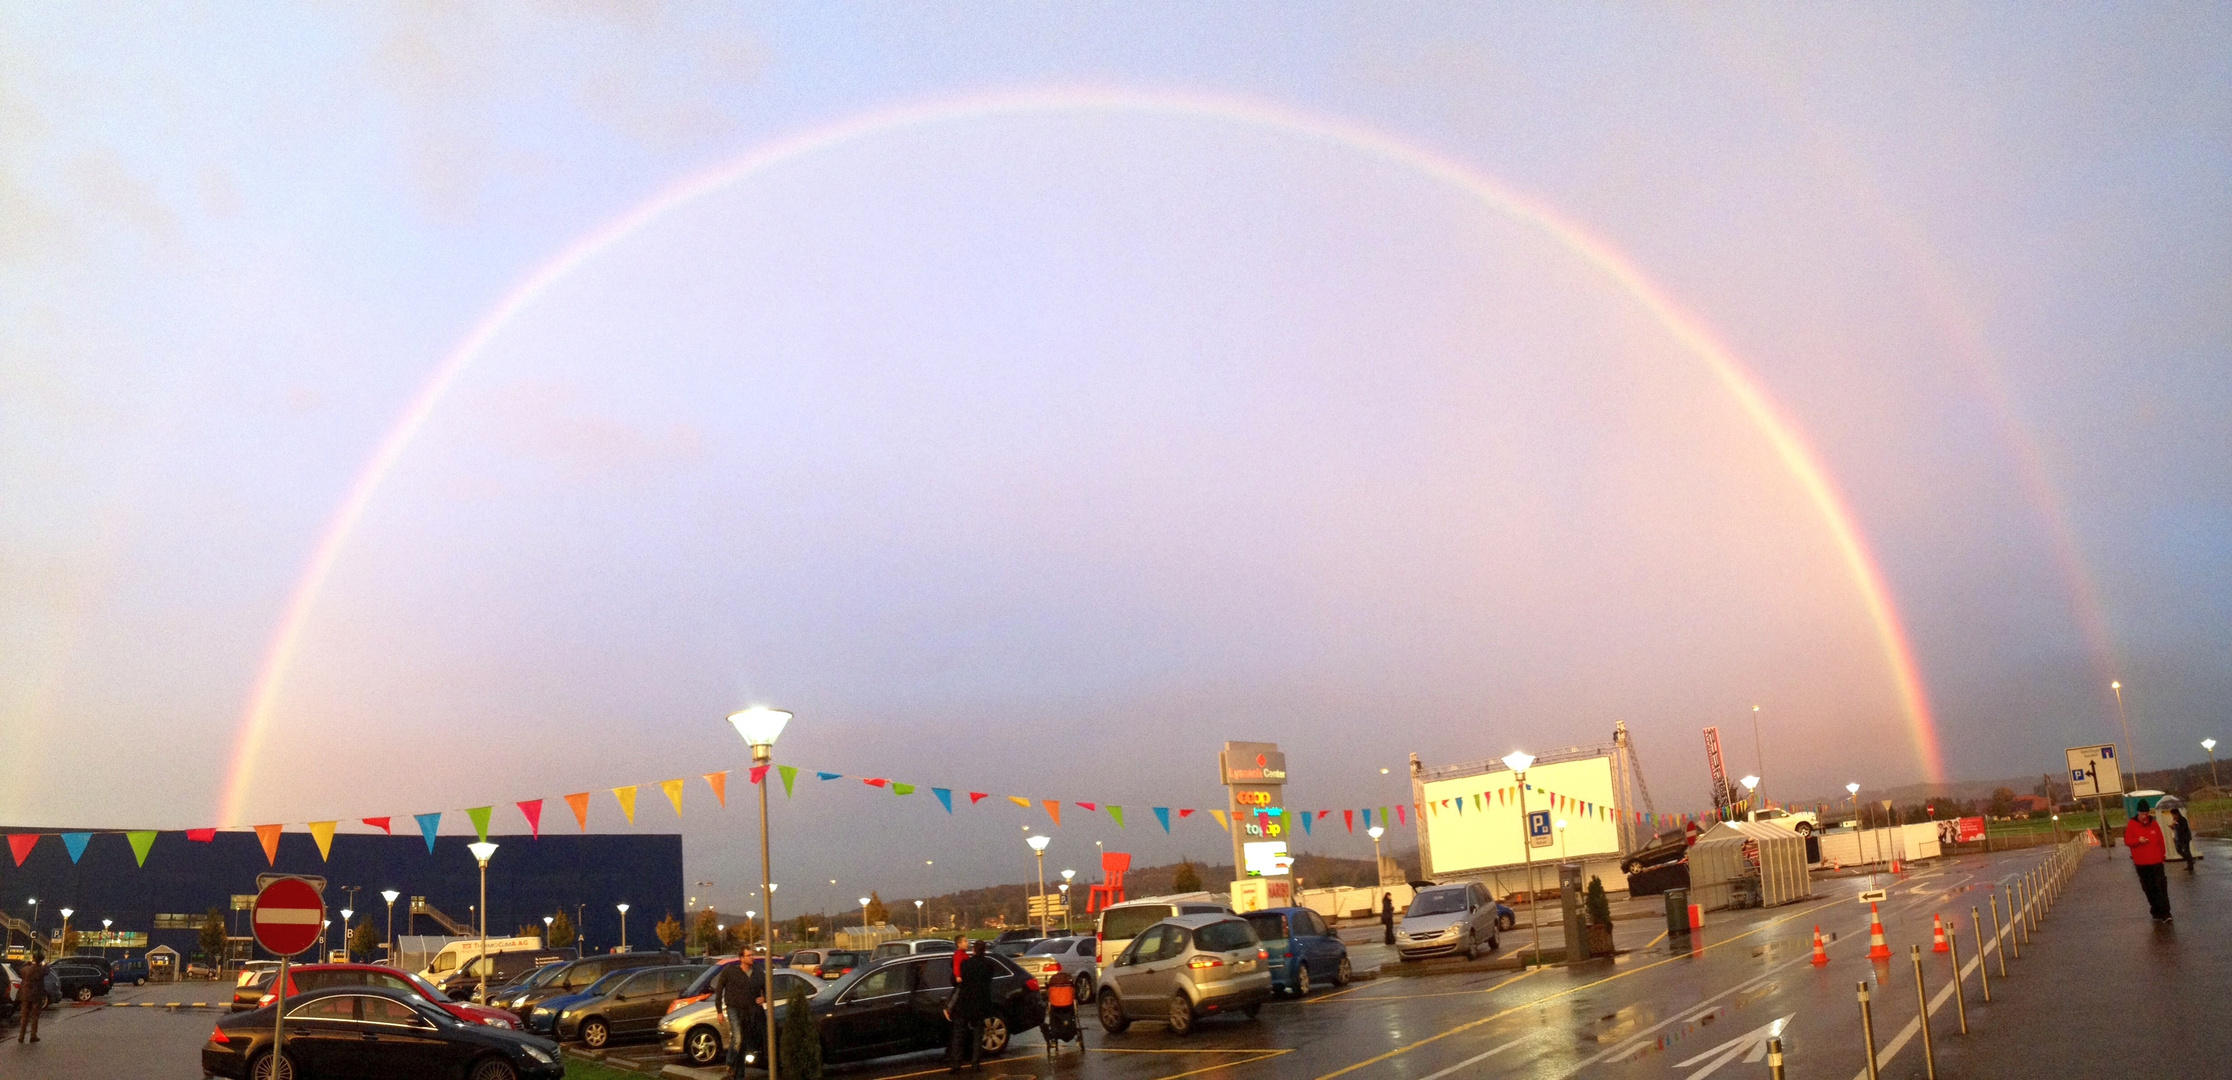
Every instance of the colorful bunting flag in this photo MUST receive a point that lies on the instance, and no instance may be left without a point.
(1162, 814)
(199, 836)
(1020, 801)
(898, 788)
(830, 775)
(718, 781)
(141, 841)
(673, 789)
(1089, 807)
(1400, 817)
(1116, 814)
(1185, 812)
(789, 773)
(379, 823)
(1367, 819)
(428, 825)
(627, 795)
(74, 843)
(875, 781)
(580, 802)
(945, 797)
(532, 811)
(1220, 816)
(758, 774)
(322, 832)
(1053, 810)
(1306, 819)
(269, 834)
(976, 797)
(1348, 817)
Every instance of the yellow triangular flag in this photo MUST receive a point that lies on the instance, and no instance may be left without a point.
(322, 832)
(626, 795)
(1020, 801)
(673, 788)
(1220, 816)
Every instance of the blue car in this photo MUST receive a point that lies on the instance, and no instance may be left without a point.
(1305, 952)
(130, 969)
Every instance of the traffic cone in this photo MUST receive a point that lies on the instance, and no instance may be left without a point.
(1877, 950)
(1937, 934)
(1821, 951)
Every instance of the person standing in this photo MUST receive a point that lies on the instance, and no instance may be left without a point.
(2144, 838)
(1387, 916)
(970, 1005)
(742, 997)
(32, 998)
(2181, 832)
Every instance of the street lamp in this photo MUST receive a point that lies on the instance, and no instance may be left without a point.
(864, 920)
(1857, 821)
(623, 926)
(105, 936)
(1759, 756)
(66, 913)
(1561, 840)
(1375, 832)
(1517, 761)
(760, 726)
(2210, 746)
(547, 920)
(918, 918)
(1038, 842)
(34, 901)
(346, 913)
(1067, 877)
(481, 851)
(1751, 791)
(2131, 756)
(389, 895)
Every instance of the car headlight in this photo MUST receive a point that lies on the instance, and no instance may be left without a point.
(497, 1022)
(539, 1054)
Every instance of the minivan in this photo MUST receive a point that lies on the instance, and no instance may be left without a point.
(1120, 923)
(1448, 919)
(1178, 970)
(1304, 950)
(575, 976)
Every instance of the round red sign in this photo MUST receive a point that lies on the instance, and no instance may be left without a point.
(289, 916)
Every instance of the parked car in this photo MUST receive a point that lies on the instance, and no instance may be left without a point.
(626, 1003)
(701, 1035)
(828, 965)
(321, 976)
(501, 968)
(911, 947)
(374, 1033)
(898, 1006)
(1182, 969)
(1803, 822)
(1014, 947)
(81, 981)
(9, 982)
(1119, 923)
(1080, 956)
(129, 969)
(1303, 950)
(107, 966)
(505, 997)
(1448, 919)
(575, 976)
(248, 993)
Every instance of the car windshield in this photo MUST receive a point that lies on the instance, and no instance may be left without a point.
(1126, 922)
(840, 958)
(1225, 936)
(609, 982)
(427, 990)
(539, 976)
(1050, 946)
(1270, 927)
(1437, 902)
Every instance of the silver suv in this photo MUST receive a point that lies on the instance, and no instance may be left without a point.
(1448, 919)
(1181, 969)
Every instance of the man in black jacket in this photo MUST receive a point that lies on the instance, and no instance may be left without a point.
(741, 994)
(970, 1007)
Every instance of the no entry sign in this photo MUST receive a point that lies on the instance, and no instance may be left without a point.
(289, 916)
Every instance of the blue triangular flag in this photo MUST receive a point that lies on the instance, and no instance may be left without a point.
(1460, 808)
(428, 823)
(1306, 818)
(75, 841)
(1367, 819)
(1162, 814)
(830, 775)
(945, 795)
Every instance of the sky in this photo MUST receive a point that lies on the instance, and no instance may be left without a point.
(414, 407)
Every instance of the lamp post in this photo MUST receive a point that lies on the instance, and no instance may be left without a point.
(1561, 840)
(1379, 876)
(389, 895)
(1038, 842)
(1759, 756)
(1857, 821)
(1067, 877)
(760, 726)
(864, 922)
(623, 925)
(105, 936)
(64, 940)
(547, 920)
(918, 918)
(2210, 746)
(1751, 797)
(2131, 756)
(346, 914)
(35, 914)
(481, 851)
(1517, 761)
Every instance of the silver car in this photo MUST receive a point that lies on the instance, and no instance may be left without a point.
(1447, 920)
(1076, 955)
(1181, 969)
(701, 1036)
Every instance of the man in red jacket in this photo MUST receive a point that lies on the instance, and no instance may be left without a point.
(2144, 838)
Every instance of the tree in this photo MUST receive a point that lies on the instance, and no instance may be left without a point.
(2003, 802)
(561, 931)
(1595, 905)
(878, 914)
(798, 1047)
(1188, 878)
(706, 932)
(364, 939)
(669, 930)
(213, 935)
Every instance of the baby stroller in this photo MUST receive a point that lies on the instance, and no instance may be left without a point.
(1060, 1025)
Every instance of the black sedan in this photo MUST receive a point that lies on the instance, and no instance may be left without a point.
(897, 1006)
(374, 1033)
(81, 981)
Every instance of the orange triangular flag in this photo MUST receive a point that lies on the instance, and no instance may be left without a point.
(673, 789)
(626, 795)
(1053, 810)
(269, 834)
(718, 781)
(580, 803)
(1020, 801)
(322, 832)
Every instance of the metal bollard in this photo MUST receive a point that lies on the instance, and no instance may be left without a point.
(1867, 1031)
(1922, 994)
(1983, 972)
(1960, 994)
(2014, 927)
(2001, 939)
(2023, 924)
(1774, 1057)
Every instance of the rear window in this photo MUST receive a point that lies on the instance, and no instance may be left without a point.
(1049, 947)
(1127, 922)
(1224, 936)
(1269, 926)
(840, 958)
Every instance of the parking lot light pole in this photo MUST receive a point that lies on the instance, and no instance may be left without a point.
(623, 925)
(1067, 877)
(481, 852)
(760, 726)
(345, 914)
(2210, 746)
(864, 923)
(105, 935)
(389, 895)
(918, 918)
(64, 941)
(1517, 761)
(1038, 844)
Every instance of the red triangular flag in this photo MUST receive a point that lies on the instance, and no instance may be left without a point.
(533, 809)
(379, 823)
(21, 843)
(1088, 806)
(269, 834)
(201, 836)
(1348, 817)
(580, 803)
(1185, 813)
(974, 796)
(759, 775)
(1400, 817)
(875, 781)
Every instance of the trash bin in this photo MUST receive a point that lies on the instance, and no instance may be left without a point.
(1677, 912)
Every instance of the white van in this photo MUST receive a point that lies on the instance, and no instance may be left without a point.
(1120, 923)
(458, 953)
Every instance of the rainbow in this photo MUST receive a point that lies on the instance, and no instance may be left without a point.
(1798, 458)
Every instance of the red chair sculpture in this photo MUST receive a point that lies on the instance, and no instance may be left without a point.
(1111, 888)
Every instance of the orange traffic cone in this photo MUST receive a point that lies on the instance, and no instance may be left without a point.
(1821, 952)
(1937, 934)
(1877, 950)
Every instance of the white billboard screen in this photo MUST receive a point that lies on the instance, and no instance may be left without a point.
(1490, 833)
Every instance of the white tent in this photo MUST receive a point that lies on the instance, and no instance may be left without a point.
(1740, 864)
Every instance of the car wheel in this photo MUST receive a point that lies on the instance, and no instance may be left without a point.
(1805, 829)
(139, 982)
(1301, 980)
(995, 1037)
(494, 1069)
(84, 993)
(266, 1068)
(1084, 988)
(1181, 1015)
(1342, 974)
(1506, 922)
(702, 1046)
(1112, 1013)
(595, 1033)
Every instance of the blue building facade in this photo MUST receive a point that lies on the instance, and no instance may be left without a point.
(586, 876)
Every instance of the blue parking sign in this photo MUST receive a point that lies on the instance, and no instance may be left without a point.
(1538, 825)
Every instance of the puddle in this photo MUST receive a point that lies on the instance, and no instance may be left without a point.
(1679, 1033)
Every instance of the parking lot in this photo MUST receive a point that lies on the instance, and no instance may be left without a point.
(1660, 1009)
